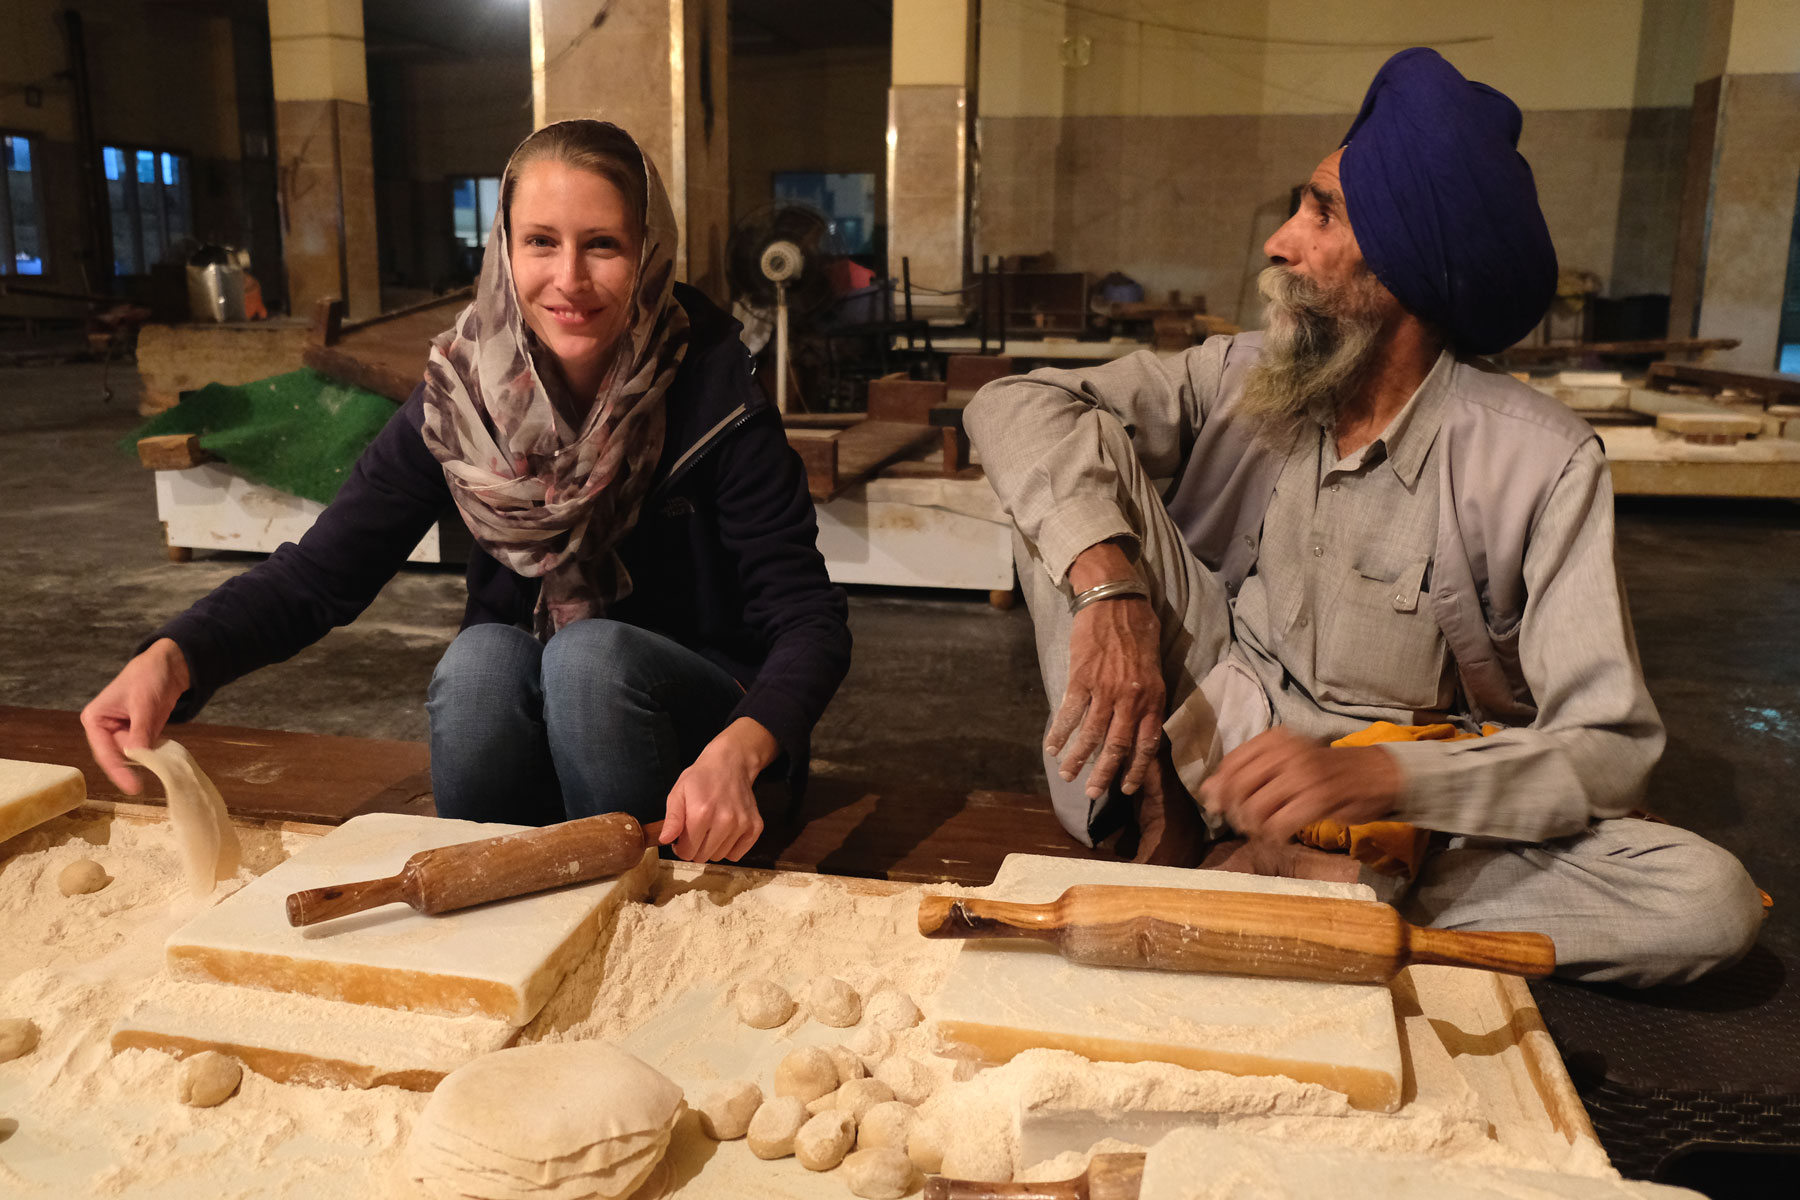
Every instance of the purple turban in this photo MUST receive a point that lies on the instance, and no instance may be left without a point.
(1443, 204)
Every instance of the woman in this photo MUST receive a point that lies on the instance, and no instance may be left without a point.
(649, 622)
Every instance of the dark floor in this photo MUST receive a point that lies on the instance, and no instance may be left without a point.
(943, 693)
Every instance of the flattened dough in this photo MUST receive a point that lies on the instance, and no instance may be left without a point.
(203, 833)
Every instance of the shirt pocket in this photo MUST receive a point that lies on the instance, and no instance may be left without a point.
(1379, 645)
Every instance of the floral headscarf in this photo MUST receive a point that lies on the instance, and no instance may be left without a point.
(544, 498)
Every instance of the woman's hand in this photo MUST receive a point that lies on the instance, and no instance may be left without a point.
(712, 811)
(130, 712)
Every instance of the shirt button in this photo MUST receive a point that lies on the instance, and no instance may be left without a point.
(1318, 551)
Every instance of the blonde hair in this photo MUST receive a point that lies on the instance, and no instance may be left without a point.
(598, 147)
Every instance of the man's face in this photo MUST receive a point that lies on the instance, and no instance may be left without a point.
(1317, 242)
(1324, 317)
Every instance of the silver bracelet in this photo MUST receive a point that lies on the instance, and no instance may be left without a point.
(1110, 590)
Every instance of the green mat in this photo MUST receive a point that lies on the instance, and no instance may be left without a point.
(300, 432)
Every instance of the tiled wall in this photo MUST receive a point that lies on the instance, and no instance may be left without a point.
(1186, 202)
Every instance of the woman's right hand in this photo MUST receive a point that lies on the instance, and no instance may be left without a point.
(132, 710)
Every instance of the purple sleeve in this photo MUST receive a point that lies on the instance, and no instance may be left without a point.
(304, 590)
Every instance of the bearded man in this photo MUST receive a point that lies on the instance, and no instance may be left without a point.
(1371, 538)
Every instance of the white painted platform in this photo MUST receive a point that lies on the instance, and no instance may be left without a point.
(942, 533)
(212, 507)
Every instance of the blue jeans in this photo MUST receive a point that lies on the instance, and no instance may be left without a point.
(602, 719)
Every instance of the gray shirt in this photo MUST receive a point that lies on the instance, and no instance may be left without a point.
(1593, 733)
(1331, 620)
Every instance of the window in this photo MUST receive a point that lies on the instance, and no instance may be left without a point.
(848, 200)
(151, 201)
(21, 230)
(472, 203)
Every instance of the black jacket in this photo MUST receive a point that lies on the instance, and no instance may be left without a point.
(723, 557)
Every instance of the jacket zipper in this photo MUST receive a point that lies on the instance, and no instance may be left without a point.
(698, 450)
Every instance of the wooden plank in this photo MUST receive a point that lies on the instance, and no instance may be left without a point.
(375, 375)
(385, 354)
(1715, 428)
(263, 773)
(972, 371)
(1561, 351)
(818, 452)
(172, 452)
(906, 400)
(824, 420)
(1773, 385)
(866, 448)
(915, 835)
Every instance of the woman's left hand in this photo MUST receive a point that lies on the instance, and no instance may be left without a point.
(712, 811)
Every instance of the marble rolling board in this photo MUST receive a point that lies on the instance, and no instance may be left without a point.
(1005, 997)
(500, 960)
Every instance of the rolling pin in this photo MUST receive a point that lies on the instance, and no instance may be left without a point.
(471, 873)
(1108, 1177)
(1239, 933)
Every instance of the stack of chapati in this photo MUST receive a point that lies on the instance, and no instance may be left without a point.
(554, 1121)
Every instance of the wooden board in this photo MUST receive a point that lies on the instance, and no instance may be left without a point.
(1772, 386)
(839, 459)
(262, 773)
(384, 354)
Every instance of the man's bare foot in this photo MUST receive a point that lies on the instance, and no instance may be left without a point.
(1170, 831)
(1288, 860)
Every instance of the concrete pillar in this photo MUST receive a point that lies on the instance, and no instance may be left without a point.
(931, 115)
(326, 174)
(1737, 212)
(657, 69)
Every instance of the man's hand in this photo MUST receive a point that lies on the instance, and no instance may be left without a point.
(1277, 783)
(130, 712)
(1113, 700)
(712, 811)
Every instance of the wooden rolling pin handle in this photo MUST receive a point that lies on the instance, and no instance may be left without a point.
(322, 904)
(960, 917)
(1532, 955)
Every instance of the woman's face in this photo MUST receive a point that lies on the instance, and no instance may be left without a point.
(574, 247)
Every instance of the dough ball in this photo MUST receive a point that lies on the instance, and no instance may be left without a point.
(860, 1095)
(762, 1003)
(772, 1129)
(833, 1002)
(726, 1108)
(208, 1078)
(910, 1079)
(824, 1103)
(824, 1140)
(892, 1010)
(872, 1043)
(554, 1118)
(978, 1159)
(881, 1173)
(888, 1124)
(849, 1065)
(18, 1037)
(806, 1074)
(81, 877)
(925, 1146)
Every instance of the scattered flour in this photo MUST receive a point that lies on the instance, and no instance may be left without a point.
(94, 1123)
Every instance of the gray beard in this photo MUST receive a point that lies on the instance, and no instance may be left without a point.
(1317, 344)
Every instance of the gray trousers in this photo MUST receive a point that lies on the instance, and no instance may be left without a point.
(1625, 901)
